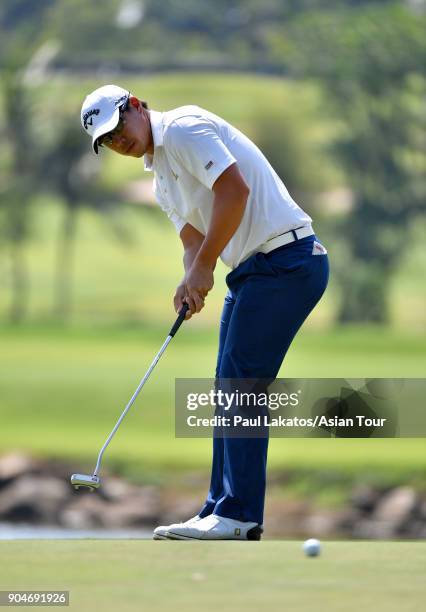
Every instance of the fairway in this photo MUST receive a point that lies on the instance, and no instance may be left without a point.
(143, 575)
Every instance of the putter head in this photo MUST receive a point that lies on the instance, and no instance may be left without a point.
(84, 480)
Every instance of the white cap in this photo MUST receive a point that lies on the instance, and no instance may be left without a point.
(101, 111)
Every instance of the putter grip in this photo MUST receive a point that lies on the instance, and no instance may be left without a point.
(179, 320)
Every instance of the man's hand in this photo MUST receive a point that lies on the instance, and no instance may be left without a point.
(194, 288)
(198, 283)
(179, 299)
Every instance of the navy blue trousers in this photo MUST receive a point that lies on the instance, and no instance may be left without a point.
(270, 296)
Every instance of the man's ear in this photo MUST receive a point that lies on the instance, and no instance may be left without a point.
(134, 102)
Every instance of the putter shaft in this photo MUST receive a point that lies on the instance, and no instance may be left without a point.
(174, 329)
(129, 405)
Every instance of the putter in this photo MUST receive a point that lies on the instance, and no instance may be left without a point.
(93, 481)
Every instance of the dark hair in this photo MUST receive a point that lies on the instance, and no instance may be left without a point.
(144, 104)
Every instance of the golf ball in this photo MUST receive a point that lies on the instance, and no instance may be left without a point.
(312, 547)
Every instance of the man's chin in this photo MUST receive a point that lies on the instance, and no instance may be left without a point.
(135, 151)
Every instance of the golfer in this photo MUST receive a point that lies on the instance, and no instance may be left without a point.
(225, 200)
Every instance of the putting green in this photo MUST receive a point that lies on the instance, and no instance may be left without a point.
(126, 575)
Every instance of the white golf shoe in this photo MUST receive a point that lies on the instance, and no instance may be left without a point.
(215, 527)
(160, 532)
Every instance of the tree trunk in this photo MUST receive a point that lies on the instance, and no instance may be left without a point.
(20, 284)
(64, 265)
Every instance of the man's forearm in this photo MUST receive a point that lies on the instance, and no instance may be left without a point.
(230, 198)
(225, 220)
(189, 255)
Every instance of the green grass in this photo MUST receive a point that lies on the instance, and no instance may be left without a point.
(134, 280)
(142, 575)
(62, 391)
(130, 280)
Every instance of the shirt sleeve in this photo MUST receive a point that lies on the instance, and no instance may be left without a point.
(177, 220)
(196, 145)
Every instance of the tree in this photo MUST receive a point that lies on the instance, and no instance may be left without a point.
(16, 198)
(20, 172)
(371, 62)
(71, 172)
(31, 165)
(287, 133)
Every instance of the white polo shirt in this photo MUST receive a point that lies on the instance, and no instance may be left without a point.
(192, 148)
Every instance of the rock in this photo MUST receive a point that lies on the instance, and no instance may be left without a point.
(141, 508)
(35, 499)
(181, 509)
(14, 465)
(349, 517)
(365, 498)
(286, 517)
(115, 489)
(85, 512)
(61, 469)
(396, 506)
(38, 491)
(422, 511)
(374, 530)
(415, 529)
(323, 524)
(133, 512)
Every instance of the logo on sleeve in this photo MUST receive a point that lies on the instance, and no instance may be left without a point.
(209, 165)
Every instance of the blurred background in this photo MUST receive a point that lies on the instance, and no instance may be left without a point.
(333, 93)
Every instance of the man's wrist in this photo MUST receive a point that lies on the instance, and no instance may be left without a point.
(206, 260)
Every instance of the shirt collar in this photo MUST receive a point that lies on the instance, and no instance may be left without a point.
(156, 119)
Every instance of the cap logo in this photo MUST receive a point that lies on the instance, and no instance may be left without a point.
(120, 100)
(88, 115)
